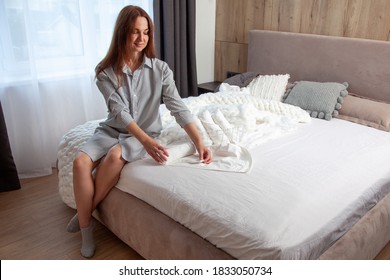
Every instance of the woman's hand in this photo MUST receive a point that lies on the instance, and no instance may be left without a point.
(155, 150)
(205, 155)
(152, 147)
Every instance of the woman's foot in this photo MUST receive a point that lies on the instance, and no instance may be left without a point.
(73, 225)
(88, 243)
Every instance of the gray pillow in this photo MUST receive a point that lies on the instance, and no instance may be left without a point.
(240, 80)
(320, 100)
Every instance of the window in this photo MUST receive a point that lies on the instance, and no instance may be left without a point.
(48, 53)
(46, 38)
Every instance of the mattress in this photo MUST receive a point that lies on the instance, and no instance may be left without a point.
(291, 205)
(310, 180)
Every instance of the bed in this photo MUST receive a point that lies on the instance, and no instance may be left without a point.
(316, 182)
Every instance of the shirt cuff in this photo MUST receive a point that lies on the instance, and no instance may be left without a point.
(184, 119)
(125, 118)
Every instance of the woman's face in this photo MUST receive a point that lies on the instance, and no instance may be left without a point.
(139, 37)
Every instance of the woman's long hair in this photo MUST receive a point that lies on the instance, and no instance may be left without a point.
(118, 53)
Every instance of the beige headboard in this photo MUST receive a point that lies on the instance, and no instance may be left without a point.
(364, 64)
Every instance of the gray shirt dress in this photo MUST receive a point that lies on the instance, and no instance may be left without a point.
(137, 99)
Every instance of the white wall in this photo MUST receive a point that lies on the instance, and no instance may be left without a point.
(205, 39)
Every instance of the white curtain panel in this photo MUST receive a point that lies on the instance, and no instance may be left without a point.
(48, 53)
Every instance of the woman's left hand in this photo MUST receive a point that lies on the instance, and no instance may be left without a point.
(205, 155)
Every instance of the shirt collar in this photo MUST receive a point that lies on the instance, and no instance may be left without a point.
(146, 62)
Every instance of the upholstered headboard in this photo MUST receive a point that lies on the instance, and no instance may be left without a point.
(364, 64)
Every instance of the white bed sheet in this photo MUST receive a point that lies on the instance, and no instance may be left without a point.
(305, 190)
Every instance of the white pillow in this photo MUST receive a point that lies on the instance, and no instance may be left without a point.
(269, 87)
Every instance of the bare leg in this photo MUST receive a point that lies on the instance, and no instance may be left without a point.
(83, 185)
(107, 174)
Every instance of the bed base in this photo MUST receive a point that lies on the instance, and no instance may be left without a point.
(151, 233)
(156, 236)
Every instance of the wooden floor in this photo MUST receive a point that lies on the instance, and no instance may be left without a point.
(33, 226)
(33, 221)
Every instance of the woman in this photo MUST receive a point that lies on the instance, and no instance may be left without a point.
(133, 82)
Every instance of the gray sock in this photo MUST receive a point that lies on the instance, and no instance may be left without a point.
(73, 225)
(88, 244)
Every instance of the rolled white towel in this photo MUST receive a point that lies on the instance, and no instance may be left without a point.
(214, 131)
(223, 123)
(204, 134)
(180, 151)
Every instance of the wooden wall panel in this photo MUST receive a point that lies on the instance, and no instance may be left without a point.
(231, 56)
(368, 19)
(234, 17)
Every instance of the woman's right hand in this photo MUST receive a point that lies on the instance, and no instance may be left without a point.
(152, 147)
(156, 150)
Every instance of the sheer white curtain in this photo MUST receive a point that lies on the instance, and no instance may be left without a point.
(48, 52)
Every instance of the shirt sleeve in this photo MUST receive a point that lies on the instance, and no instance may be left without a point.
(172, 99)
(115, 101)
